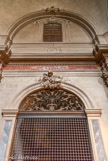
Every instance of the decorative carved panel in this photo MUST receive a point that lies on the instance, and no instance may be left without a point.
(52, 100)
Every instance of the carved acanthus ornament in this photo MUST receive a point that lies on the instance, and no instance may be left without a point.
(50, 81)
(1, 67)
(52, 9)
(52, 100)
(105, 76)
(104, 68)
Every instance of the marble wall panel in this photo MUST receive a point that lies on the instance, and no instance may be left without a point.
(4, 139)
(98, 141)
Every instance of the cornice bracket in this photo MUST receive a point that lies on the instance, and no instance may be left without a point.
(102, 59)
(5, 53)
(104, 68)
(1, 68)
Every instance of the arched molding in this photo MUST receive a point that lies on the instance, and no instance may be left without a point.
(32, 17)
(66, 86)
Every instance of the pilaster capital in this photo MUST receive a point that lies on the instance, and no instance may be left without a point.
(9, 112)
(93, 112)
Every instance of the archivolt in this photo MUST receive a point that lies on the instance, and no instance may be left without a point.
(52, 100)
(81, 95)
(27, 19)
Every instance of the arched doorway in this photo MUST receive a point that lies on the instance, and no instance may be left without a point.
(51, 126)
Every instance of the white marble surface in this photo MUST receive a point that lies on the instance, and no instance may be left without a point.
(98, 140)
(4, 139)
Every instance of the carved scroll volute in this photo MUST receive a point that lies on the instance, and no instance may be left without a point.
(1, 67)
(50, 81)
(105, 75)
(104, 68)
(105, 60)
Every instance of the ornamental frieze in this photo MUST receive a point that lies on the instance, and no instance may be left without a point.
(52, 67)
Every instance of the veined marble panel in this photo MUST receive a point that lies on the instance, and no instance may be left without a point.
(98, 141)
(4, 139)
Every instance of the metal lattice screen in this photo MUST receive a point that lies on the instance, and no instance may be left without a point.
(52, 32)
(51, 139)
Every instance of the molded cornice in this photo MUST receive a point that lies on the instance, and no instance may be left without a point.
(102, 48)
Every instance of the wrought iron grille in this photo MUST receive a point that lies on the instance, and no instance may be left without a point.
(52, 32)
(52, 100)
(51, 139)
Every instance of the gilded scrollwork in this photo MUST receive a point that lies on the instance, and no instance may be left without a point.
(52, 100)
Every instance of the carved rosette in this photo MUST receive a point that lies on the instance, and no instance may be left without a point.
(52, 100)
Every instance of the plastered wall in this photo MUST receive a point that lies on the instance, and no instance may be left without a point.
(71, 32)
(94, 10)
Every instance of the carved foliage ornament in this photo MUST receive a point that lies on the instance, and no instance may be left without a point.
(52, 100)
(105, 76)
(52, 9)
(50, 81)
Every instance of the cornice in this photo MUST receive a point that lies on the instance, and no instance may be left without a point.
(5, 53)
(53, 57)
(9, 112)
(93, 112)
(102, 48)
(31, 73)
(50, 63)
(99, 51)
